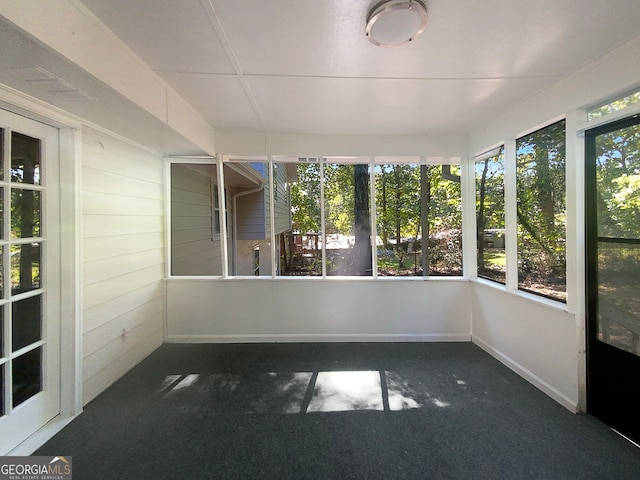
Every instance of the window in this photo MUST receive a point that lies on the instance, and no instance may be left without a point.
(195, 220)
(347, 235)
(490, 216)
(540, 186)
(316, 217)
(619, 103)
(399, 226)
(444, 213)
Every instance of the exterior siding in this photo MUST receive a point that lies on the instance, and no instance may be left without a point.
(122, 258)
(194, 252)
(253, 209)
(282, 209)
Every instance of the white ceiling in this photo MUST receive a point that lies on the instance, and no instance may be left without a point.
(305, 66)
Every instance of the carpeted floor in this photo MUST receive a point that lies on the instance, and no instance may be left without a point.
(335, 411)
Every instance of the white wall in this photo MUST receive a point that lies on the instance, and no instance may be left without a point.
(308, 309)
(123, 258)
(536, 340)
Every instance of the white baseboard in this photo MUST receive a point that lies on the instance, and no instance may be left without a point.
(529, 376)
(41, 437)
(290, 338)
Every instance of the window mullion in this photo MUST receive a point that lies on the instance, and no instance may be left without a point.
(510, 214)
(222, 205)
(373, 219)
(272, 222)
(322, 219)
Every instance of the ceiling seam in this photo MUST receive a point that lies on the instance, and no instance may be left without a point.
(235, 63)
(343, 77)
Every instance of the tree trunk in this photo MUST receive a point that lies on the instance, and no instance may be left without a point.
(481, 219)
(362, 263)
(425, 199)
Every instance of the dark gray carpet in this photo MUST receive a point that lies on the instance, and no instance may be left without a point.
(424, 411)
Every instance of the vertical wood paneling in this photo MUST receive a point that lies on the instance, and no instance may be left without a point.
(123, 258)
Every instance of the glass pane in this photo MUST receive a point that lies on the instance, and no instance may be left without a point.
(618, 104)
(26, 322)
(25, 213)
(253, 217)
(195, 249)
(25, 267)
(25, 159)
(27, 376)
(618, 300)
(2, 370)
(618, 177)
(2, 250)
(348, 223)
(490, 217)
(2, 353)
(303, 246)
(540, 183)
(2, 213)
(445, 219)
(398, 203)
(1, 154)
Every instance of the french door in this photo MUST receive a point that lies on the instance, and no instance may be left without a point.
(613, 274)
(29, 289)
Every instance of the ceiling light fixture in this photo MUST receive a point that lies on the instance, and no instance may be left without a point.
(393, 22)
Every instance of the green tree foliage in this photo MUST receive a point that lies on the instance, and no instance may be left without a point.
(398, 200)
(541, 210)
(305, 198)
(490, 217)
(618, 178)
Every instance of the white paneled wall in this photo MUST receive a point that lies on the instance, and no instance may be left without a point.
(123, 258)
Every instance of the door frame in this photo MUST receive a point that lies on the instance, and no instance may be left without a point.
(591, 256)
(70, 174)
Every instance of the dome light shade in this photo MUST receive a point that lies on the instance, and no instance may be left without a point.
(393, 22)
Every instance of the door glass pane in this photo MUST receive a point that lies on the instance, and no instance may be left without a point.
(25, 159)
(25, 213)
(2, 328)
(2, 250)
(618, 177)
(1, 154)
(1, 213)
(2, 369)
(25, 267)
(618, 222)
(618, 300)
(26, 322)
(27, 376)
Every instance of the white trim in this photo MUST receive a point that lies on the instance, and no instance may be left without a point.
(373, 218)
(629, 111)
(319, 337)
(541, 126)
(273, 185)
(468, 193)
(529, 376)
(532, 297)
(510, 215)
(42, 436)
(70, 182)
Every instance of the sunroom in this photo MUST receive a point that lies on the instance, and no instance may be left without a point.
(214, 171)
